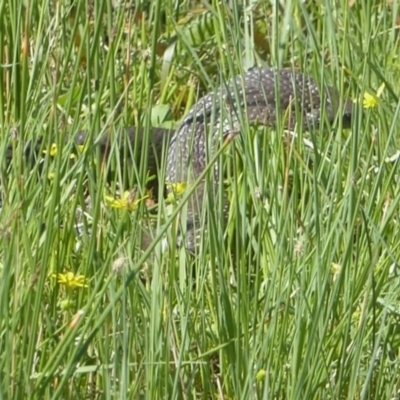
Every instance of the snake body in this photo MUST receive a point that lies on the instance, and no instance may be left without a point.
(265, 95)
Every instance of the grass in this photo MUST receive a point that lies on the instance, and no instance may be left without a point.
(297, 297)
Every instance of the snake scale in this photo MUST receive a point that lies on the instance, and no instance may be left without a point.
(266, 95)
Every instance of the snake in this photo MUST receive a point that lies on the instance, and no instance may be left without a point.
(268, 97)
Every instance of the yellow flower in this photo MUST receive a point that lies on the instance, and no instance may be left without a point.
(71, 281)
(372, 100)
(127, 202)
(81, 149)
(54, 150)
(177, 190)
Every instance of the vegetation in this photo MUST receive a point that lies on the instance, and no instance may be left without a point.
(297, 296)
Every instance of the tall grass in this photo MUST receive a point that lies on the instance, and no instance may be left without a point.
(296, 296)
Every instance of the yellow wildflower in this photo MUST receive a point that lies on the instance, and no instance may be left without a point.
(177, 190)
(372, 100)
(81, 149)
(71, 281)
(127, 202)
(54, 150)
